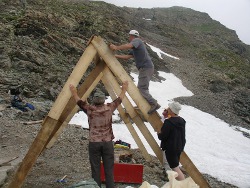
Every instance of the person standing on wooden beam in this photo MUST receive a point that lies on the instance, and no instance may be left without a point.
(100, 133)
(143, 63)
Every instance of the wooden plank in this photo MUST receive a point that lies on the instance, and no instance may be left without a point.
(71, 108)
(193, 171)
(88, 85)
(126, 120)
(33, 152)
(130, 110)
(51, 141)
(114, 65)
(148, 136)
(74, 79)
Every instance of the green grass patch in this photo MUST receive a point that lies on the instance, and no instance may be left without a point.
(222, 64)
(14, 17)
(227, 62)
(206, 27)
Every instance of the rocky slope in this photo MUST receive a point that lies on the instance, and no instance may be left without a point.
(40, 45)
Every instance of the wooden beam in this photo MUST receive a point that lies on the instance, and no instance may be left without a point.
(74, 78)
(148, 136)
(51, 141)
(193, 171)
(114, 65)
(136, 118)
(33, 153)
(126, 120)
(88, 85)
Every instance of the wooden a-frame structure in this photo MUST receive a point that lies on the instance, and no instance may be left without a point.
(111, 73)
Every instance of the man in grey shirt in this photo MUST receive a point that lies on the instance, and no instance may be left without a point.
(143, 63)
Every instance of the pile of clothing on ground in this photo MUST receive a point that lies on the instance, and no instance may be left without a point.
(18, 102)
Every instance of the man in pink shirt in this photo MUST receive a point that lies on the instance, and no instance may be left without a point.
(100, 133)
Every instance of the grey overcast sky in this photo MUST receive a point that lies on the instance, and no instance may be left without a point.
(234, 14)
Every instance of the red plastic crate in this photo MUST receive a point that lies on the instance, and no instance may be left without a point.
(125, 173)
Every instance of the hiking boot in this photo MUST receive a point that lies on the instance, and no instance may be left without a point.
(153, 108)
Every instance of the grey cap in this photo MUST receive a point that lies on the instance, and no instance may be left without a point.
(99, 94)
(99, 97)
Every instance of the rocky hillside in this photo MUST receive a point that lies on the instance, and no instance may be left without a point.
(41, 43)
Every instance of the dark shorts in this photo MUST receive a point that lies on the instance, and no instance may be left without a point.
(173, 158)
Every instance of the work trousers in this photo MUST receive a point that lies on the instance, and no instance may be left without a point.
(104, 151)
(145, 75)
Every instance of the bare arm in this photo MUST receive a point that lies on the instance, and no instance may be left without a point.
(121, 47)
(124, 89)
(74, 92)
(124, 56)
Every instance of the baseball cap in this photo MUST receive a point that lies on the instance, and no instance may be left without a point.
(99, 97)
(134, 32)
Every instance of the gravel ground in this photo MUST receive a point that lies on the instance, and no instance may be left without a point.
(69, 156)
